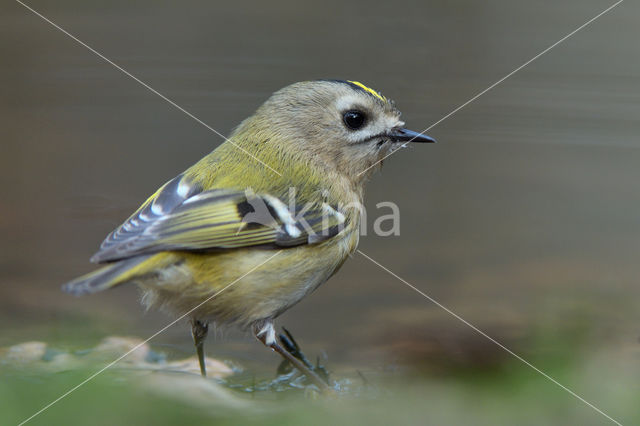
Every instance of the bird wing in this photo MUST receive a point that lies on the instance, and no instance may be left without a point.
(180, 216)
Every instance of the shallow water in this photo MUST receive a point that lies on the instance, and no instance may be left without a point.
(524, 219)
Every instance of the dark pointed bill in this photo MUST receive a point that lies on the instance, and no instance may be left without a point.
(405, 135)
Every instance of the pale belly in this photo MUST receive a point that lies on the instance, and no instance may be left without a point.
(243, 286)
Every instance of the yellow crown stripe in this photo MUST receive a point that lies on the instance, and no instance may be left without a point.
(368, 89)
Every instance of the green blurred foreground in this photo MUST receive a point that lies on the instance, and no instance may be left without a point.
(147, 388)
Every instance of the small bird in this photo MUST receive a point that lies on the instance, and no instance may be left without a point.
(263, 220)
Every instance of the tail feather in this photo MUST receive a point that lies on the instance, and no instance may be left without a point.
(106, 277)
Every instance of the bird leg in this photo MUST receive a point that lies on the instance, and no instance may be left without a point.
(265, 333)
(199, 331)
(290, 345)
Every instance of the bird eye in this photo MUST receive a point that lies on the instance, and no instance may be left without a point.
(354, 119)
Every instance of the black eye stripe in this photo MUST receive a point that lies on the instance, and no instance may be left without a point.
(354, 119)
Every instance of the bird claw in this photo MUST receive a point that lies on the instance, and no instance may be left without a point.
(288, 342)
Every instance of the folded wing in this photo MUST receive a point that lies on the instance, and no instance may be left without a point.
(181, 217)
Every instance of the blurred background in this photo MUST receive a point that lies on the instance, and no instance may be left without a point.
(524, 219)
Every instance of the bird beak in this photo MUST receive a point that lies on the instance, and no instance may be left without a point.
(400, 134)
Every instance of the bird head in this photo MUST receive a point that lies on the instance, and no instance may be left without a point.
(343, 128)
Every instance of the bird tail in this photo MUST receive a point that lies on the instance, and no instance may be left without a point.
(106, 277)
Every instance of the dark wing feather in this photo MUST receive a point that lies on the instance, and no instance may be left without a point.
(217, 219)
(164, 200)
